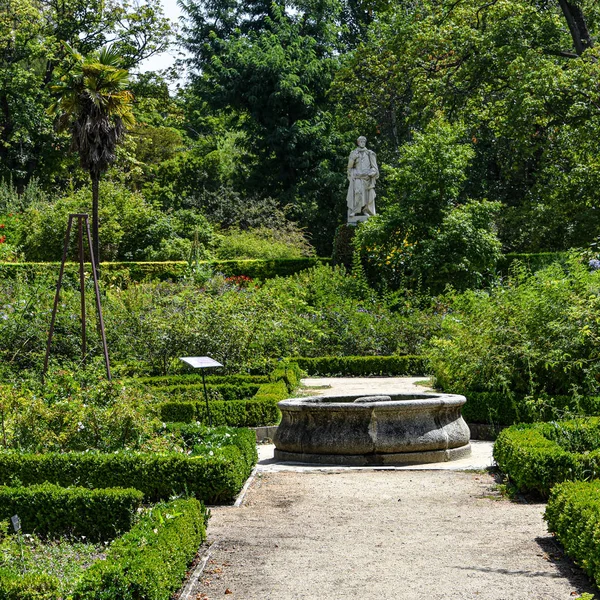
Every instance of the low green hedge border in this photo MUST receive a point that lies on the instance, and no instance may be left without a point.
(497, 408)
(213, 479)
(50, 510)
(27, 586)
(234, 413)
(363, 365)
(260, 410)
(194, 379)
(149, 562)
(289, 372)
(573, 514)
(125, 272)
(538, 456)
(220, 391)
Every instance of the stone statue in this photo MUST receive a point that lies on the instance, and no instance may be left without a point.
(362, 174)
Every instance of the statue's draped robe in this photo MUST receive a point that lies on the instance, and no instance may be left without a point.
(362, 173)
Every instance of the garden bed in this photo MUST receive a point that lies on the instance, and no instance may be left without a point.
(149, 561)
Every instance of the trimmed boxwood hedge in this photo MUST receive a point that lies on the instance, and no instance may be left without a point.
(235, 413)
(573, 514)
(195, 379)
(223, 391)
(213, 479)
(362, 365)
(150, 561)
(289, 372)
(51, 510)
(257, 411)
(538, 456)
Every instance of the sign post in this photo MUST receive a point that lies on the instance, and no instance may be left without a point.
(202, 362)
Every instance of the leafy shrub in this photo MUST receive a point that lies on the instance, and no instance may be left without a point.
(132, 229)
(318, 312)
(26, 586)
(573, 514)
(50, 510)
(531, 335)
(65, 415)
(430, 233)
(151, 560)
(263, 243)
(499, 408)
(540, 455)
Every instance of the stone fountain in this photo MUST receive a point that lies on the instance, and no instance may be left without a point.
(397, 429)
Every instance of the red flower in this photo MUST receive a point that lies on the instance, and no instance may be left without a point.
(1, 225)
(2, 239)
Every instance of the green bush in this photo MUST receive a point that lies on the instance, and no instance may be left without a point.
(531, 335)
(213, 479)
(263, 243)
(25, 586)
(498, 408)
(290, 373)
(362, 365)
(534, 262)
(50, 510)
(133, 229)
(540, 455)
(151, 560)
(573, 514)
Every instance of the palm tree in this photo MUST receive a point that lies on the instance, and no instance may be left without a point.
(96, 107)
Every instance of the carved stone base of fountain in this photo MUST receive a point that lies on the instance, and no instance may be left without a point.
(399, 429)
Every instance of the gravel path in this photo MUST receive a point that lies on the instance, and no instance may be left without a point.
(372, 534)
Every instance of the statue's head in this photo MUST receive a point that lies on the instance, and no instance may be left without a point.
(361, 141)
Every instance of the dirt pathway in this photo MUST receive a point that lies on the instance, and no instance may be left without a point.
(378, 535)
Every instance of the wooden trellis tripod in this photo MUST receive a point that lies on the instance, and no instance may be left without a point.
(81, 219)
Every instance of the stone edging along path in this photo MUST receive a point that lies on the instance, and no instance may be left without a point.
(401, 533)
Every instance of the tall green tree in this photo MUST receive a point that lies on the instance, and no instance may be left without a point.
(513, 73)
(32, 33)
(95, 106)
(269, 65)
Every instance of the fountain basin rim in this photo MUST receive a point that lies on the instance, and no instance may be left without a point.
(335, 403)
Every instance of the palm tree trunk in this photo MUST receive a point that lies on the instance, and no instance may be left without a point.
(95, 239)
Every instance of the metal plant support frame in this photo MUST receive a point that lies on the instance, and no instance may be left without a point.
(81, 219)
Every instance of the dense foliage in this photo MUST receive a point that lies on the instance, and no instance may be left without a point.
(484, 117)
(530, 334)
(320, 311)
